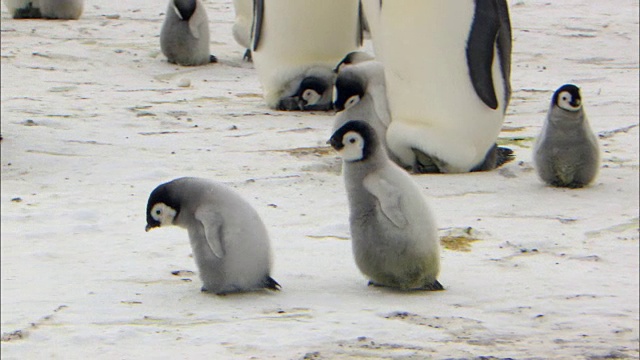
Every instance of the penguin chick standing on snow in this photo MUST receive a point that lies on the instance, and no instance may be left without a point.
(566, 152)
(229, 241)
(394, 235)
(242, 26)
(184, 38)
(61, 9)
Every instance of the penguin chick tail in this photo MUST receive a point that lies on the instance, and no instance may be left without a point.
(271, 284)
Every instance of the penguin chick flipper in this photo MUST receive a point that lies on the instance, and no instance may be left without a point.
(212, 229)
(388, 197)
(271, 284)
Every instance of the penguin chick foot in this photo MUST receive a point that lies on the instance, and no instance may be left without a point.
(28, 12)
(271, 284)
(434, 286)
(495, 157)
(248, 56)
(425, 164)
(213, 59)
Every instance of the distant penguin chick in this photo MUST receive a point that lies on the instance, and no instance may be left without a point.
(184, 38)
(566, 153)
(229, 240)
(61, 9)
(242, 26)
(394, 235)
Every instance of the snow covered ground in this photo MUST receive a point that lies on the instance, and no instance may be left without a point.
(93, 118)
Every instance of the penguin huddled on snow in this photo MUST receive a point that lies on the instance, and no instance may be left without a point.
(566, 152)
(229, 240)
(184, 38)
(296, 44)
(447, 68)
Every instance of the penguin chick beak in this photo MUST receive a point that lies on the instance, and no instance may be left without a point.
(335, 143)
(148, 227)
(575, 103)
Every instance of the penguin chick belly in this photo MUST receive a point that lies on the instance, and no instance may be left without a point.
(390, 256)
(181, 47)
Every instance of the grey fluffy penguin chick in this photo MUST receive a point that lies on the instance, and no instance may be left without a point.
(394, 235)
(229, 240)
(184, 38)
(61, 9)
(566, 153)
(361, 94)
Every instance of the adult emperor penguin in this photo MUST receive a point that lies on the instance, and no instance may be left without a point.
(361, 94)
(229, 241)
(242, 26)
(296, 43)
(61, 9)
(23, 9)
(184, 38)
(447, 67)
(566, 153)
(394, 235)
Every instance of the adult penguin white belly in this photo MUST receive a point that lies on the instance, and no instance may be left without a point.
(296, 44)
(447, 68)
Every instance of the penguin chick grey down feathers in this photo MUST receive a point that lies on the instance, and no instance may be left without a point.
(229, 241)
(184, 38)
(566, 152)
(394, 235)
(61, 9)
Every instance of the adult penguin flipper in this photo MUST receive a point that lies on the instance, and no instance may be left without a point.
(488, 28)
(256, 27)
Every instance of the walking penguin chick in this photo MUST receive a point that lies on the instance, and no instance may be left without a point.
(184, 38)
(394, 234)
(229, 241)
(566, 152)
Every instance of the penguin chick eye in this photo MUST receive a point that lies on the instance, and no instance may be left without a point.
(163, 213)
(310, 96)
(352, 101)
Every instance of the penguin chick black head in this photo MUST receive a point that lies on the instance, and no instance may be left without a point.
(354, 141)
(184, 8)
(567, 97)
(162, 207)
(309, 96)
(350, 88)
(352, 58)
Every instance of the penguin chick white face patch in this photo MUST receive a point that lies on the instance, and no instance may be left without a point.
(311, 97)
(353, 146)
(352, 101)
(163, 214)
(567, 102)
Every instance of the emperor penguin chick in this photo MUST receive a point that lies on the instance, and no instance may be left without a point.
(229, 241)
(61, 9)
(296, 43)
(394, 235)
(184, 38)
(361, 94)
(566, 153)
